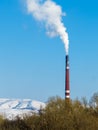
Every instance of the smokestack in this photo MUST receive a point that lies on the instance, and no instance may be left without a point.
(67, 86)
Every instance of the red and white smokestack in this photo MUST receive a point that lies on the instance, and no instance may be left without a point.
(67, 86)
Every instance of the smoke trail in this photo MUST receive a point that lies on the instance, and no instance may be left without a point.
(50, 14)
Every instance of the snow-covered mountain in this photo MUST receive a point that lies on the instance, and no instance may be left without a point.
(11, 108)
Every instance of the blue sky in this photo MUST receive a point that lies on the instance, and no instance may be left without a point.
(32, 65)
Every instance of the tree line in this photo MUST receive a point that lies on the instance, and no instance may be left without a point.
(59, 114)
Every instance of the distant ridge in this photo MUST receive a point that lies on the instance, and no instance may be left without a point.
(11, 108)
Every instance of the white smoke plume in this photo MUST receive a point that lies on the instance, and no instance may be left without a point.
(50, 14)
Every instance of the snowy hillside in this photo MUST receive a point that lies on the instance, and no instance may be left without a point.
(11, 108)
